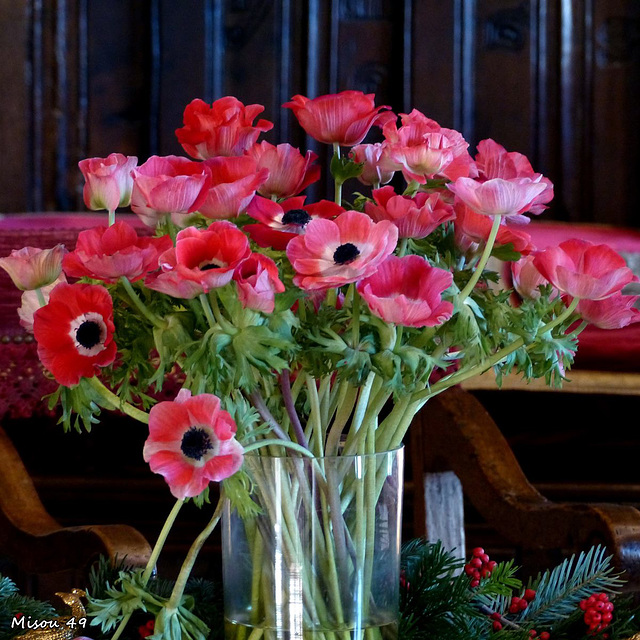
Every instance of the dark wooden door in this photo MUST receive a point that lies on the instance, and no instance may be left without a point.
(555, 79)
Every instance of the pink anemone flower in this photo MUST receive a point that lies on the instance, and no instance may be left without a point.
(615, 312)
(223, 129)
(191, 443)
(376, 169)
(584, 270)
(108, 253)
(258, 280)
(408, 291)
(234, 182)
(168, 185)
(108, 181)
(280, 222)
(341, 118)
(203, 259)
(526, 278)
(498, 197)
(494, 161)
(332, 253)
(289, 172)
(422, 149)
(415, 217)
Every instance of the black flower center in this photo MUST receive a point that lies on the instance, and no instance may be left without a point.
(195, 443)
(207, 267)
(88, 334)
(296, 216)
(346, 253)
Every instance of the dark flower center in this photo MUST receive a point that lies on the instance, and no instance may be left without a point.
(88, 334)
(296, 216)
(346, 253)
(207, 267)
(195, 443)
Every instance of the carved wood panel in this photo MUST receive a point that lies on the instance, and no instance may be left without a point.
(555, 79)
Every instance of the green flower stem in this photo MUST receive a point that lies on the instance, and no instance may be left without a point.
(289, 403)
(315, 422)
(206, 307)
(112, 401)
(185, 571)
(141, 306)
(112, 217)
(41, 301)
(496, 358)
(355, 321)
(344, 411)
(483, 260)
(261, 407)
(359, 414)
(412, 188)
(402, 247)
(288, 444)
(371, 499)
(337, 183)
(153, 559)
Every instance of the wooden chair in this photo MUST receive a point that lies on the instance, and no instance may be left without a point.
(456, 449)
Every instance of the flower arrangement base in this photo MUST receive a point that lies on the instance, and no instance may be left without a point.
(321, 557)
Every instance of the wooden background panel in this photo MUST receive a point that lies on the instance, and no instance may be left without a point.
(554, 79)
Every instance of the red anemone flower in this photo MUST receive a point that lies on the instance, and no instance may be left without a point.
(408, 291)
(615, 312)
(74, 332)
(332, 253)
(280, 222)
(191, 443)
(203, 259)
(223, 129)
(340, 118)
(415, 217)
(108, 253)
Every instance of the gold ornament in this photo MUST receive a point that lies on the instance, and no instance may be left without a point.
(62, 627)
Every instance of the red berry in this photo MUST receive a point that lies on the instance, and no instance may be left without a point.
(523, 604)
(476, 562)
(484, 557)
(475, 583)
(492, 565)
(497, 625)
(495, 616)
(478, 551)
(544, 635)
(603, 597)
(529, 595)
(485, 572)
(533, 633)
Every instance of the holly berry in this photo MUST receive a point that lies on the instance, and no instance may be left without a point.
(479, 566)
(598, 612)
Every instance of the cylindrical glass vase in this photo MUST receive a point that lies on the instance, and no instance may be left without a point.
(321, 558)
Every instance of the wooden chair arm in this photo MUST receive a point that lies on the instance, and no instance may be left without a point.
(455, 433)
(36, 543)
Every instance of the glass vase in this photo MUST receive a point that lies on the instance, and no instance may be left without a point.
(321, 558)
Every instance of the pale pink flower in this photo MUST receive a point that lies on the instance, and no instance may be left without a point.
(415, 217)
(191, 443)
(168, 185)
(408, 291)
(376, 170)
(289, 171)
(233, 185)
(108, 181)
(223, 129)
(30, 302)
(108, 253)
(614, 312)
(584, 270)
(422, 149)
(31, 268)
(332, 253)
(494, 161)
(526, 277)
(341, 118)
(258, 281)
(497, 197)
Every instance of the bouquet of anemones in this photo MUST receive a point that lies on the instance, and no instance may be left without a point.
(309, 333)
